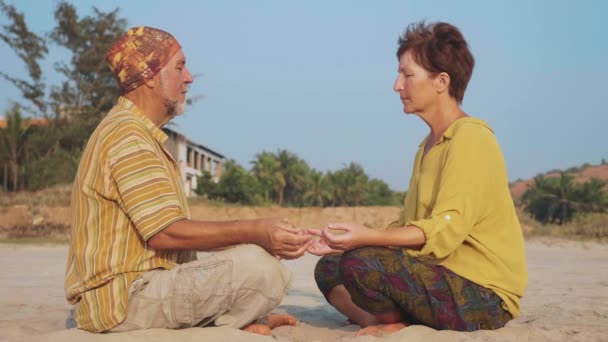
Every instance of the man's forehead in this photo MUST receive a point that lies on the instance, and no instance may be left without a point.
(179, 57)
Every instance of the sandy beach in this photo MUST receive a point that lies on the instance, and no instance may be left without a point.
(566, 300)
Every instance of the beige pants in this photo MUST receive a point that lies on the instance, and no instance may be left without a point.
(230, 288)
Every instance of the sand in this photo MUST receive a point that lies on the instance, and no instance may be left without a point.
(566, 300)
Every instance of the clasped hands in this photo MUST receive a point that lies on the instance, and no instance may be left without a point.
(286, 241)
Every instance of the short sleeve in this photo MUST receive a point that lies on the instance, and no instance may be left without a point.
(144, 185)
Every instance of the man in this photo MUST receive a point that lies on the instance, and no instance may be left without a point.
(132, 261)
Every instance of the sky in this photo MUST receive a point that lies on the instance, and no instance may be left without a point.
(315, 77)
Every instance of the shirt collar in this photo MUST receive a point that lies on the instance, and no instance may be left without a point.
(157, 133)
(451, 130)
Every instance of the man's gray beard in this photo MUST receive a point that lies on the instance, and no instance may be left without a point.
(174, 108)
(171, 107)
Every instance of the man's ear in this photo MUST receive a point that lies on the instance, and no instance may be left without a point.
(442, 82)
(153, 82)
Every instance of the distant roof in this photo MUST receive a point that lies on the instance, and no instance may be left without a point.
(176, 131)
(33, 122)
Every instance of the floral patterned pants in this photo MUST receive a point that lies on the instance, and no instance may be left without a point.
(382, 280)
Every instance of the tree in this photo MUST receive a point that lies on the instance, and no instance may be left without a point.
(74, 107)
(319, 192)
(30, 48)
(205, 185)
(349, 185)
(592, 196)
(398, 197)
(89, 89)
(296, 172)
(557, 199)
(550, 199)
(378, 193)
(267, 169)
(283, 173)
(13, 143)
(237, 186)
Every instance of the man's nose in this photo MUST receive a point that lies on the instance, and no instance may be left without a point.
(189, 78)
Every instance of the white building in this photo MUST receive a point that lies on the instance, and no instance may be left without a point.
(193, 159)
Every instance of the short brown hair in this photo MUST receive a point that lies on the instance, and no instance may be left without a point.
(440, 47)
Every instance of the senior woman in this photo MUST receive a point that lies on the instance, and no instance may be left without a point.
(455, 257)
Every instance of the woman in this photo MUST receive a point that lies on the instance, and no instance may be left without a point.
(455, 258)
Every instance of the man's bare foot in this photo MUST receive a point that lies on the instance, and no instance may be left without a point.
(260, 329)
(381, 329)
(277, 320)
(264, 325)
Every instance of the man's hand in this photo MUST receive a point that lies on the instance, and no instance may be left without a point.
(281, 239)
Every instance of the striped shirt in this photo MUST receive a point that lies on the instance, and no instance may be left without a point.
(126, 190)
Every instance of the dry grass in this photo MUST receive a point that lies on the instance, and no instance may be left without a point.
(57, 196)
(39, 233)
(592, 227)
(585, 227)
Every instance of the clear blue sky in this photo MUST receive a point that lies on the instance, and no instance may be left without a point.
(316, 77)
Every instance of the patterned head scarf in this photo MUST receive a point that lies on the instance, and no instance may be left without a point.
(139, 55)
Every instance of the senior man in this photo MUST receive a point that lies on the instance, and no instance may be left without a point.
(132, 260)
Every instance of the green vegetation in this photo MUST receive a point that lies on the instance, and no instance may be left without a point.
(284, 179)
(593, 226)
(38, 156)
(558, 200)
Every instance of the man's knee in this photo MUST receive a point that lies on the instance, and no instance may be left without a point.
(254, 258)
(257, 268)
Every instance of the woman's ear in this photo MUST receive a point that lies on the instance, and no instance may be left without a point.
(442, 82)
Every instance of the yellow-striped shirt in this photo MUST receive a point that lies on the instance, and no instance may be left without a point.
(126, 190)
(459, 197)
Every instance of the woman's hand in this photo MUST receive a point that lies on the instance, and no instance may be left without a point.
(340, 237)
(319, 247)
(347, 236)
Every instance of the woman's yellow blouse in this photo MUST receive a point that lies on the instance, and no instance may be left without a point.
(459, 197)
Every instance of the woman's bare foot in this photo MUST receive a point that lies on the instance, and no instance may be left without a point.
(264, 325)
(381, 329)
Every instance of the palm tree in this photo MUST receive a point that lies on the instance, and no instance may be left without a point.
(350, 185)
(319, 190)
(552, 199)
(267, 169)
(13, 143)
(593, 196)
(295, 172)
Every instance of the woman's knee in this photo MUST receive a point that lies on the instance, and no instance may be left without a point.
(361, 259)
(327, 273)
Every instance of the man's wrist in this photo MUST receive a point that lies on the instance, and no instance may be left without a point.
(248, 231)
